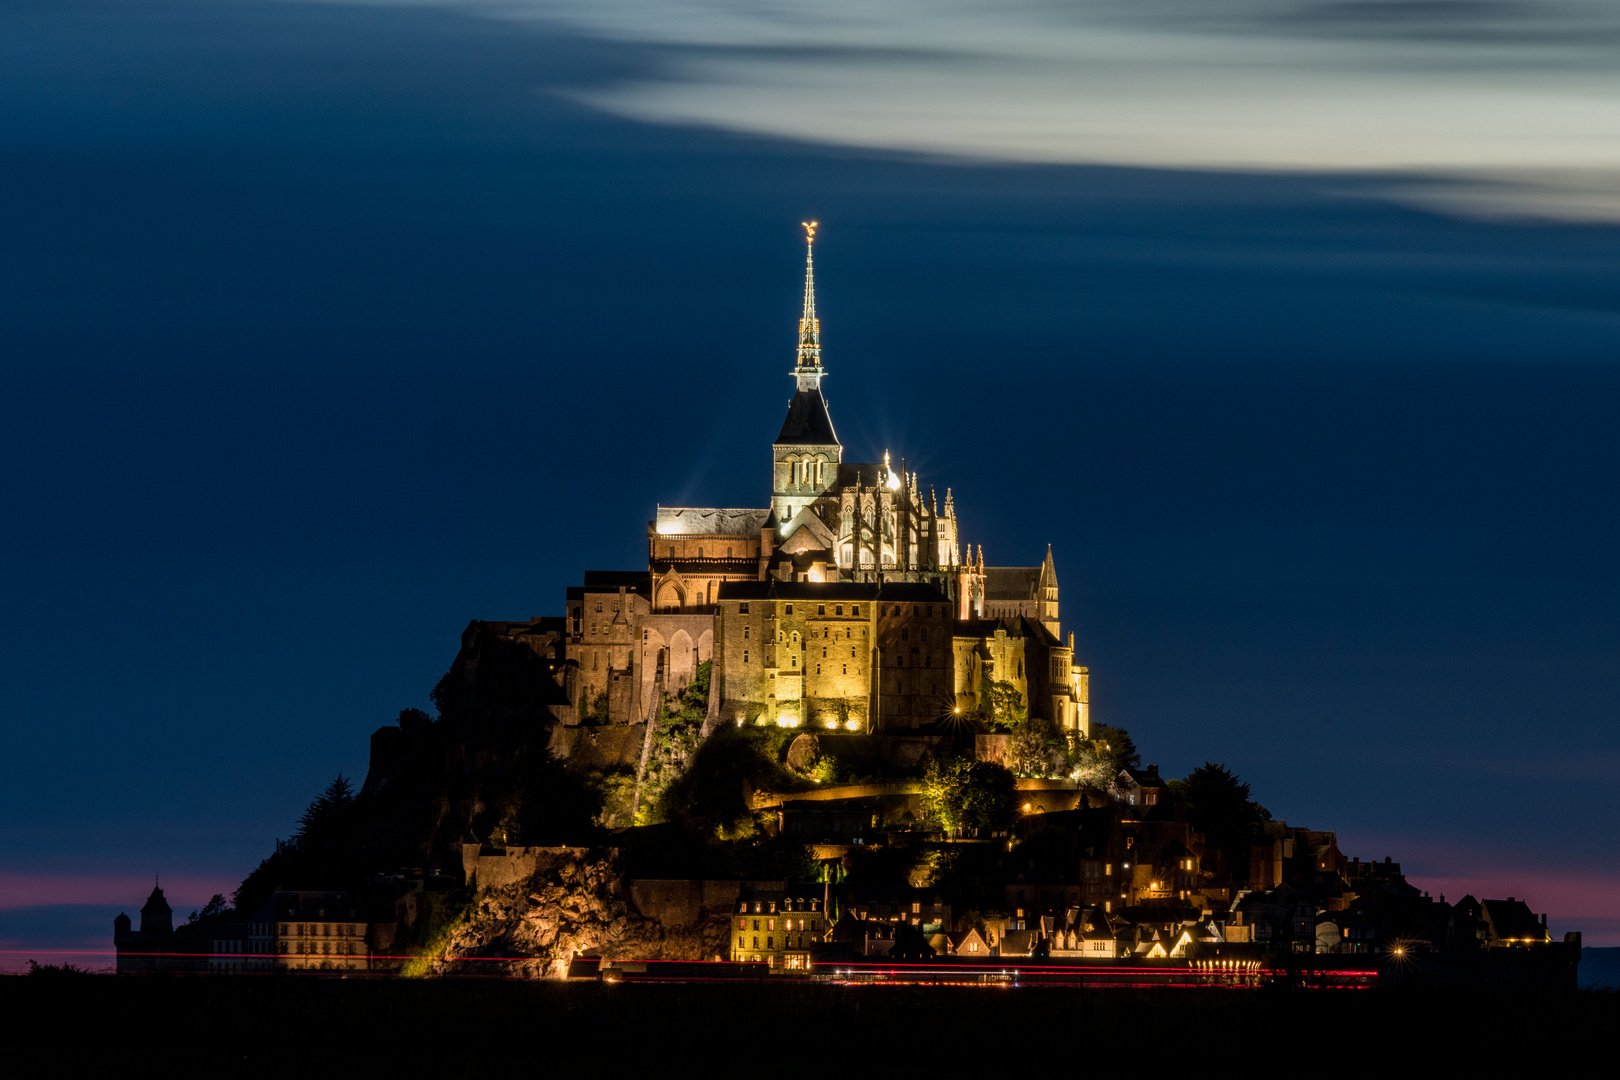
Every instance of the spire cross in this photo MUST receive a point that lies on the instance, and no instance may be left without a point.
(809, 325)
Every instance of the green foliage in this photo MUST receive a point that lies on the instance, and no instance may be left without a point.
(593, 710)
(618, 790)
(1001, 706)
(440, 915)
(1035, 749)
(826, 770)
(1219, 806)
(1090, 765)
(966, 794)
(1116, 746)
(675, 742)
(729, 766)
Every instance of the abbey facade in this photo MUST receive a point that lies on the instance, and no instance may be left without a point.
(848, 602)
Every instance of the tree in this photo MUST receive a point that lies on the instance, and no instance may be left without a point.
(1219, 806)
(1034, 750)
(963, 793)
(1090, 765)
(325, 822)
(1001, 706)
(1116, 746)
(216, 907)
(324, 852)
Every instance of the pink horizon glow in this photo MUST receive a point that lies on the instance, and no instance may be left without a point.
(19, 890)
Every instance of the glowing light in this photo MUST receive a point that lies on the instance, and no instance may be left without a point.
(853, 725)
(810, 229)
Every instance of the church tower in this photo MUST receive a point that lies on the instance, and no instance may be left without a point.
(806, 454)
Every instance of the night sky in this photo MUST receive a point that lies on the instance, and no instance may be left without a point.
(325, 329)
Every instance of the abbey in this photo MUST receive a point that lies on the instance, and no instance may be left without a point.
(848, 602)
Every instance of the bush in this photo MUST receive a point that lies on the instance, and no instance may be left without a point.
(967, 794)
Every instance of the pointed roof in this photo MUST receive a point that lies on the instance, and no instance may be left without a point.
(807, 423)
(155, 902)
(809, 325)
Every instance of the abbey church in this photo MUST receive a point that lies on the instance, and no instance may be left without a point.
(848, 602)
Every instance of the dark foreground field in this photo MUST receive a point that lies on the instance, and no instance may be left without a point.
(227, 1028)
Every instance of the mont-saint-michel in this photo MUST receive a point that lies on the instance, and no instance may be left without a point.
(821, 738)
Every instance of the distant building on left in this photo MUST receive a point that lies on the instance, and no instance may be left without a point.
(291, 931)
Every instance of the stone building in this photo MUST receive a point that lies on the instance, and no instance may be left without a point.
(316, 931)
(847, 602)
(776, 925)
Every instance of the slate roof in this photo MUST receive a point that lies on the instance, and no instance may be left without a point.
(807, 422)
(912, 592)
(1015, 625)
(1011, 582)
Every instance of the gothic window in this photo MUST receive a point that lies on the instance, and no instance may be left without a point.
(700, 553)
(672, 551)
(852, 652)
(846, 669)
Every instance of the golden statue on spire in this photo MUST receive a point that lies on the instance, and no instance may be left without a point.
(810, 230)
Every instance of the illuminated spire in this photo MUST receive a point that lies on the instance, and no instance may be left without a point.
(809, 325)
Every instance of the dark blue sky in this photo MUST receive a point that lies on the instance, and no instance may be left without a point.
(325, 330)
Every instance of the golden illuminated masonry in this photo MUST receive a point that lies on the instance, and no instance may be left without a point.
(848, 602)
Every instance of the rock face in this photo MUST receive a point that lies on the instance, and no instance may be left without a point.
(575, 903)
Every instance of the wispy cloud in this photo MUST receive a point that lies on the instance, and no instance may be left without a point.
(1482, 106)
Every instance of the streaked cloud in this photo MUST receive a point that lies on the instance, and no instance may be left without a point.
(1483, 106)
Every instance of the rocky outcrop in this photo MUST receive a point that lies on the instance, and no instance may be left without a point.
(574, 903)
